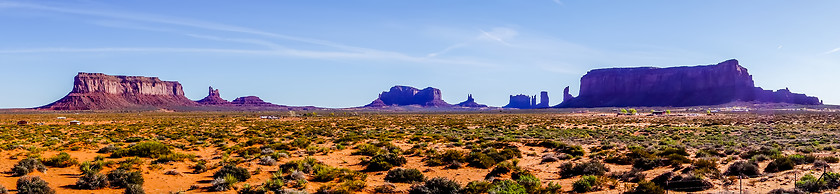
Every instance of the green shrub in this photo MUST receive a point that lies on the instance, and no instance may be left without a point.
(25, 166)
(552, 188)
(121, 178)
(503, 168)
(591, 167)
(634, 175)
(387, 161)
(324, 173)
(645, 187)
(810, 183)
(507, 187)
(530, 182)
(488, 157)
(780, 164)
(436, 185)
(561, 147)
(33, 185)
(173, 157)
(367, 150)
(830, 159)
(149, 149)
(476, 187)
(241, 174)
(92, 181)
(448, 157)
(587, 183)
(402, 175)
(61, 160)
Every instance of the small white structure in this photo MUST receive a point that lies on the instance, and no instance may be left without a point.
(75, 122)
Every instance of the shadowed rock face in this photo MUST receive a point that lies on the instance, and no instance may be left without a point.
(94, 91)
(470, 102)
(213, 98)
(251, 101)
(676, 86)
(406, 95)
(520, 101)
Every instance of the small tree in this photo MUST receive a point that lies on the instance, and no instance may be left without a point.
(633, 111)
(623, 111)
(667, 111)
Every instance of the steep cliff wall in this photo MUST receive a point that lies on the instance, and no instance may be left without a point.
(676, 86)
(406, 95)
(93, 91)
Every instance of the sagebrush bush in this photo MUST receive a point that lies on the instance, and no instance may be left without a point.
(780, 164)
(267, 161)
(634, 175)
(25, 166)
(742, 168)
(385, 188)
(436, 185)
(61, 160)
(134, 189)
(223, 183)
(402, 175)
(149, 149)
(387, 161)
(33, 185)
(591, 167)
(120, 178)
(92, 181)
(645, 187)
(446, 158)
(3, 190)
(240, 173)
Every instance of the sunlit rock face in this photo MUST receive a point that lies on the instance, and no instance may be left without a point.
(407, 95)
(94, 91)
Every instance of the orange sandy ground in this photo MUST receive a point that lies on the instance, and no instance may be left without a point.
(63, 179)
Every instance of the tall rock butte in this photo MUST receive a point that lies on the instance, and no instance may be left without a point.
(213, 98)
(522, 101)
(407, 95)
(675, 86)
(94, 91)
(470, 102)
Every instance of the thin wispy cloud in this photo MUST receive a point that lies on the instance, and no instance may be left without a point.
(832, 51)
(346, 51)
(558, 2)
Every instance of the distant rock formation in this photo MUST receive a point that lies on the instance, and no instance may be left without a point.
(95, 91)
(675, 86)
(522, 101)
(470, 102)
(406, 95)
(213, 98)
(251, 101)
(543, 100)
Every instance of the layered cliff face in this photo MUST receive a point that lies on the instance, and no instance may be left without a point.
(676, 86)
(93, 91)
(470, 102)
(213, 98)
(406, 95)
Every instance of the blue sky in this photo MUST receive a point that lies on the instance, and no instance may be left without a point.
(343, 53)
